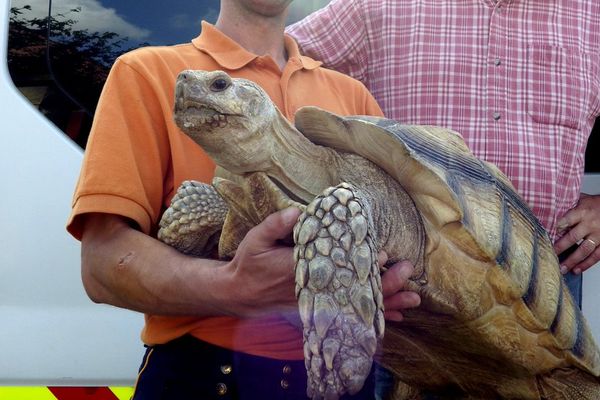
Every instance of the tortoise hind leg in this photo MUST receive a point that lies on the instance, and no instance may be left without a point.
(339, 292)
(569, 384)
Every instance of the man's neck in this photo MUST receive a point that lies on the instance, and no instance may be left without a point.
(258, 34)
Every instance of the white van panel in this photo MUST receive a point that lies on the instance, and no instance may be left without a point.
(50, 332)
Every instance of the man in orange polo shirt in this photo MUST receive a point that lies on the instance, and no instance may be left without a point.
(212, 328)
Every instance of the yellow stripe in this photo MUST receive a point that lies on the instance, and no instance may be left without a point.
(25, 393)
(123, 393)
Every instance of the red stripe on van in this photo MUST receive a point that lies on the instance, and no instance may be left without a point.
(82, 393)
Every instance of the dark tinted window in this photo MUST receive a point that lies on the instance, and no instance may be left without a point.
(60, 51)
(61, 61)
(592, 154)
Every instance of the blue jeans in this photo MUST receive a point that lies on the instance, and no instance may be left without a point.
(575, 283)
(384, 382)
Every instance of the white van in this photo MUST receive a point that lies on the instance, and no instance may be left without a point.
(53, 339)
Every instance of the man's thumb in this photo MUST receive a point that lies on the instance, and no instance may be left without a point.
(278, 225)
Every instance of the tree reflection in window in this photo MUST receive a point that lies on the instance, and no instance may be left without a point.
(60, 69)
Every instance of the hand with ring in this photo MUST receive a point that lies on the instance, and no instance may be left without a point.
(580, 226)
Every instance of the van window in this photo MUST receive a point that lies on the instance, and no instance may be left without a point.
(592, 153)
(60, 52)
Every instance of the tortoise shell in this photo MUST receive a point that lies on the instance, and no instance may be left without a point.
(495, 306)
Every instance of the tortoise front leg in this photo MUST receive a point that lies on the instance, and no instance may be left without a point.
(338, 286)
(193, 222)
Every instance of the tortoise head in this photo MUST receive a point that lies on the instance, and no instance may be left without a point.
(228, 117)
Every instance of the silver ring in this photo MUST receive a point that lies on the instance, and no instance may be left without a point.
(592, 242)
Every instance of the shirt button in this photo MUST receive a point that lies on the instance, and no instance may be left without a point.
(497, 116)
(221, 389)
(226, 369)
(497, 62)
(287, 369)
(285, 384)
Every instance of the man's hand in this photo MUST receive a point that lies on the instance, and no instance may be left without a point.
(580, 225)
(395, 296)
(262, 270)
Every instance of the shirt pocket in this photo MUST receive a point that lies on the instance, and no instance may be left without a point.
(558, 85)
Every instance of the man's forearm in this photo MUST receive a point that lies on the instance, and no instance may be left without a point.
(126, 268)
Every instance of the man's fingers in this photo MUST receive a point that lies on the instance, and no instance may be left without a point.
(579, 223)
(591, 260)
(382, 258)
(570, 219)
(393, 315)
(571, 237)
(564, 223)
(396, 303)
(276, 226)
(394, 279)
(395, 297)
(402, 300)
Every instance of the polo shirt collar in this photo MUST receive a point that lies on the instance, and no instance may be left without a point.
(294, 54)
(230, 55)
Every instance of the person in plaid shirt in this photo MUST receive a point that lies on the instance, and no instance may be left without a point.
(519, 79)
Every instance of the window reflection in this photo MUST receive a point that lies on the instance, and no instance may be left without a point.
(60, 62)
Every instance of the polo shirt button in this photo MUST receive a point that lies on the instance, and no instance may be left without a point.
(285, 384)
(287, 369)
(226, 369)
(221, 389)
(497, 116)
(497, 62)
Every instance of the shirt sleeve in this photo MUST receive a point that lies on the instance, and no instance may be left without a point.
(127, 153)
(337, 36)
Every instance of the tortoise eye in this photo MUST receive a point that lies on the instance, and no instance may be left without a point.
(219, 85)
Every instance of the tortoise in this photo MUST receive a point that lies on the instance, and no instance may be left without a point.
(496, 319)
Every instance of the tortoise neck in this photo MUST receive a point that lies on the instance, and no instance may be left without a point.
(303, 167)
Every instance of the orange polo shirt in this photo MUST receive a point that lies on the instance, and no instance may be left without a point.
(136, 157)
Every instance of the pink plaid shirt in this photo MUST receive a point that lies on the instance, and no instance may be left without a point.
(519, 79)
